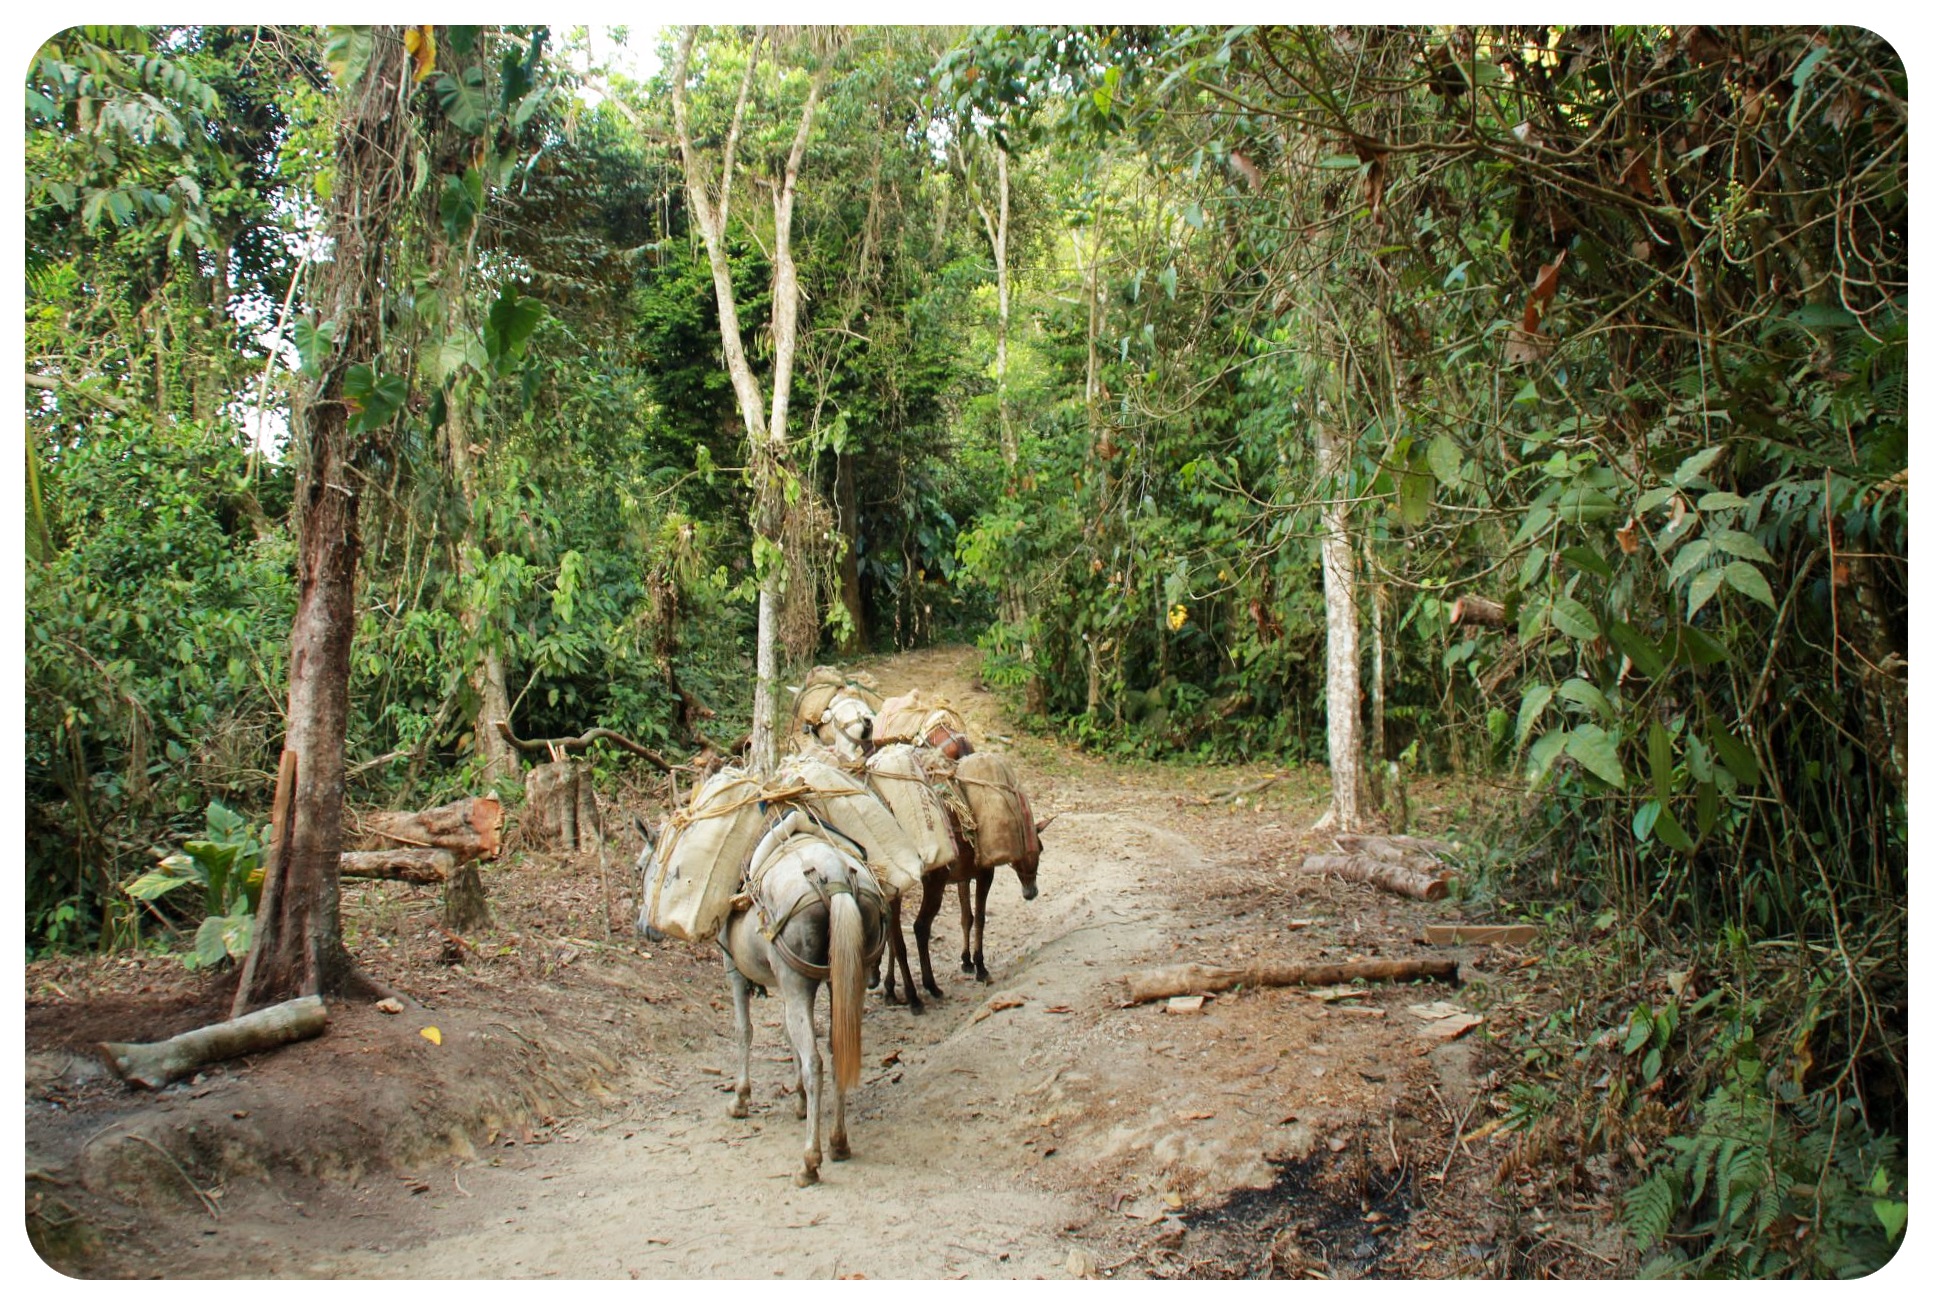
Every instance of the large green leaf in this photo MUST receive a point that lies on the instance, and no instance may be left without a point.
(1703, 586)
(312, 343)
(372, 399)
(1658, 757)
(1573, 618)
(346, 52)
(1536, 698)
(1673, 833)
(1644, 654)
(460, 202)
(1586, 558)
(1739, 544)
(1597, 752)
(513, 317)
(1581, 505)
(155, 883)
(1748, 580)
(1588, 696)
(1446, 461)
(464, 101)
(1735, 753)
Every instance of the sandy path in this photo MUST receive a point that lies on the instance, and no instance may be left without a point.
(982, 1139)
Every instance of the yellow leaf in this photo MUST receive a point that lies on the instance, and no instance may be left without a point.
(433, 1033)
(421, 44)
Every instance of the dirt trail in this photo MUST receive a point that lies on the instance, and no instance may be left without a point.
(987, 1142)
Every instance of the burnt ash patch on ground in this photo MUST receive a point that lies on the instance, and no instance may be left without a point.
(1320, 1218)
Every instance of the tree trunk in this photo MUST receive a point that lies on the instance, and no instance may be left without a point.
(1339, 606)
(766, 437)
(1175, 980)
(845, 497)
(298, 946)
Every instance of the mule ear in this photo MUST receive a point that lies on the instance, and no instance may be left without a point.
(1040, 826)
(644, 832)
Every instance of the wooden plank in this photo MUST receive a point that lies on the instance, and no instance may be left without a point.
(1514, 934)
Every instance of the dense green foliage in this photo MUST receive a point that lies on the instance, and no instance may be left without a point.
(1611, 321)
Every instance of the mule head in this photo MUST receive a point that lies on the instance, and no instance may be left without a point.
(645, 928)
(1028, 869)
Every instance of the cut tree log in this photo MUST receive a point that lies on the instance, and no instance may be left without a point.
(157, 1064)
(1473, 609)
(1177, 980)
(1480, 933)
(1420, 854)
(412, 865)
(1399, 879)
(471, 828)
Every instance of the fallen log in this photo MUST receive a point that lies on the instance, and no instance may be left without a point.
(1421, 854)
(412, 865)
(1390, 878)
(1474, 609)
(1177, 980)
(472, 829)
(1513, 934)
(157, 1064)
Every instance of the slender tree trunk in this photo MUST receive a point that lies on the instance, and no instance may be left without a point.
(298, 947)
(845, 497)
(487, 677)
(766, 437)
(1339, 606)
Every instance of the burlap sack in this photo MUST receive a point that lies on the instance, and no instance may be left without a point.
(855, 811)
(1003, 818)
(701, 856)
(899, 779)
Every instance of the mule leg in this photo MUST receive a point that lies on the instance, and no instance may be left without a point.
(966, 926)
(742, 1015)
(896, 957)
(982, 886)
(932, 897)
(800, 992)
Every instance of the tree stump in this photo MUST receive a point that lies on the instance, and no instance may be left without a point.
(465, 906)
(560, 807)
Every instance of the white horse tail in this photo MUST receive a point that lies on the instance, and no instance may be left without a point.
(848, 987)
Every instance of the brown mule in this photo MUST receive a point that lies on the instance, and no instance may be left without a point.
(968, 873)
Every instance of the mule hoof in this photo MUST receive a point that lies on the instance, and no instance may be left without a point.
(807, 1178)
(737, 1110)
(982, 975)
(840, 1149)
(914, 1006)
(966, 967)
(934, 989)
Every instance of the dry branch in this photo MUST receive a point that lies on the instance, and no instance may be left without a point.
(157, 1064)
(581, 742)
(1399, 879)
(1175, 980)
